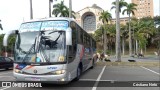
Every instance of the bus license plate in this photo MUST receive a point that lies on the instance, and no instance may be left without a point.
(33, 79)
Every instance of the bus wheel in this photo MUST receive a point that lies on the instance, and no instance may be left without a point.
(92, 64)
(78, 73)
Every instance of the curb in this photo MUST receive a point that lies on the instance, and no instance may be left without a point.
(150, 64)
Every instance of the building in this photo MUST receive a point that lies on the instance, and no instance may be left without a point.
(88, 18)
(144, 8)
(123, 20)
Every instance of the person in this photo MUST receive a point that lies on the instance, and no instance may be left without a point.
(1, 26)
(106, 57)
(98, 56)
(102, 56)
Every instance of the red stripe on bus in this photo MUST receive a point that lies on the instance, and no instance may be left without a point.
(82, 52)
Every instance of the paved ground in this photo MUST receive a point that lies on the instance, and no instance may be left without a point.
(100, 76)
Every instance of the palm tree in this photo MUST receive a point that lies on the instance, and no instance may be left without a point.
(134, 23)
(130, 10)
(156, 38)
(122, 3)
(124, 35)
(31, 10)
(105, 17)
(72, 13)
(118, 6)
(61, 10)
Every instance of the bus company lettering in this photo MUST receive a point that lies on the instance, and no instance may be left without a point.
(51, 67)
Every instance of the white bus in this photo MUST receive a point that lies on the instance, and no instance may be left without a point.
(54, 49)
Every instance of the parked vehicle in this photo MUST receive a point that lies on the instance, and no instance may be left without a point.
(6, 62)
(53, 49)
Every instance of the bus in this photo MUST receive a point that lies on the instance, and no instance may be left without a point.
(53, 49)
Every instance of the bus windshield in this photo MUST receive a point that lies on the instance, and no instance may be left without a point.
(49, 45)
(24, 44)
(42, 39)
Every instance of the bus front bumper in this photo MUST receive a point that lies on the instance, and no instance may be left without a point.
(45, 78)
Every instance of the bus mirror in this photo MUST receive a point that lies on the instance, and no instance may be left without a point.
(16, 32)
(69, 36)
(6, 36)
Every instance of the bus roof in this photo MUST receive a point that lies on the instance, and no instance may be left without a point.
(52, 18)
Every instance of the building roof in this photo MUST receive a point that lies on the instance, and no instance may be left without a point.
(95, 6)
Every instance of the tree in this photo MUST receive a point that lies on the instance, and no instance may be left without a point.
(118, 6)
(130, 10)
(60, 10)
(134, 26)
(105, 17)
(124, 35)
(156, 38)
(144, 31)
(122, 3)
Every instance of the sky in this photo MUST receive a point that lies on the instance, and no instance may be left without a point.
(14, 12)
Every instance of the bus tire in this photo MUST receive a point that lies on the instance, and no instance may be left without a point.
(78, 73)
(92, 64)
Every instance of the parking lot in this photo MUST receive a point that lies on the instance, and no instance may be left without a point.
(115, 77)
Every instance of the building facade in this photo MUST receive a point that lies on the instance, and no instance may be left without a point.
(144, 8)
(88, 18)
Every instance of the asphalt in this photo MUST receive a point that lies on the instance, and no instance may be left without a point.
(102, 77)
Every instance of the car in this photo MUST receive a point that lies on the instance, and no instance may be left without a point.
(6, 62)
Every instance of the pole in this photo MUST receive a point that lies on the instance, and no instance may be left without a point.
(159, 7)
(31, 10)
(49, 8)
(118, 48)
(70, 8)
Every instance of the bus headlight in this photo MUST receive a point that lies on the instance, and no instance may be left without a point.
(58, 72)
(17, 71)
(61, 59)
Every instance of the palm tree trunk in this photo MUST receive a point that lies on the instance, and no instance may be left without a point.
(118, 46)
(105, 43)
(136, 47)
(141, 51)
(31, 10)
(70, 8)
(130, 38)
(134, 42)
(49, 8)
(123, 45)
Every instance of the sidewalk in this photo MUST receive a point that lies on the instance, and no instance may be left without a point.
(149, 60)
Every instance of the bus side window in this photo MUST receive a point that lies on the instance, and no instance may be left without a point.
(73, 48)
